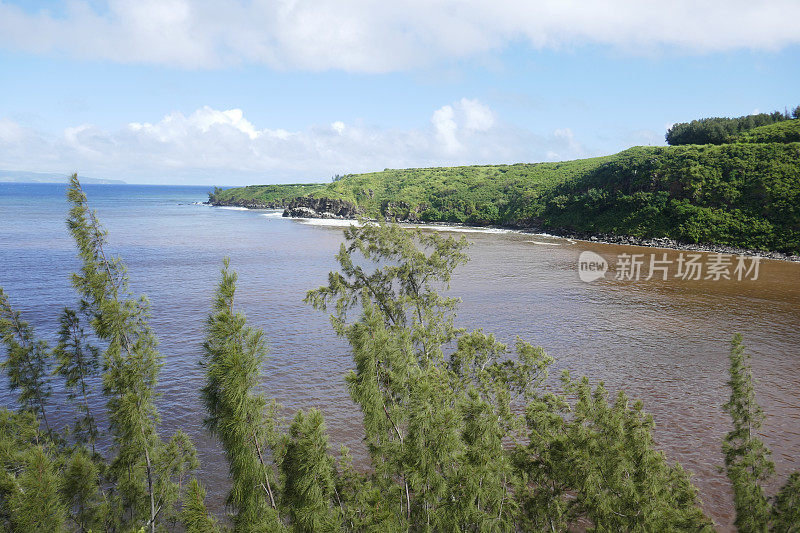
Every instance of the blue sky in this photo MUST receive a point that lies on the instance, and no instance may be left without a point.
(231, 92)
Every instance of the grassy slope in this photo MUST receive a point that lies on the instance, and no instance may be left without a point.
(476, 194)
(780, 132)
(742, 194)
(265, 193)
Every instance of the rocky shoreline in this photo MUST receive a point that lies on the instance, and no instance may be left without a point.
(305, 207)
(665, 242)
(326, 208)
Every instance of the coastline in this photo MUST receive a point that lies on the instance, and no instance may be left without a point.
(601, 238)
(671, 244)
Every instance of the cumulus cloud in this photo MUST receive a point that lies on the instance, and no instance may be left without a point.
(443, 120)
(224, 147)
(477, 117)
(362, 35)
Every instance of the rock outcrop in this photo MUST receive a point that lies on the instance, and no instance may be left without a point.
(402, 212)
(305, 207)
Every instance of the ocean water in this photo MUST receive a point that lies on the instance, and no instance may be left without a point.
(665, 342)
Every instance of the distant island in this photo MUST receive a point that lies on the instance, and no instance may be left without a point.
(721, 181)
(23, 176)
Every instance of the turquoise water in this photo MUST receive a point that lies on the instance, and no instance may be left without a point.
(665, 343)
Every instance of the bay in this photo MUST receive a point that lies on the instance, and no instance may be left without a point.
(664, 342)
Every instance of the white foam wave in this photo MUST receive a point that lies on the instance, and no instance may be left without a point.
(233, 208)
(336, 222)
(459, 229)
(556, 237)
(546, 243)
(343, 223)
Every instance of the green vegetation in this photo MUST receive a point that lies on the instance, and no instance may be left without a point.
(744, 193)
(474, 195)
(747, 458)
(262, 194)
(493, 194)
(237, 415)
(462, 432)
(787, 131)
(722, 130)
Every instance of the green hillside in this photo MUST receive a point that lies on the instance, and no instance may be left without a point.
(745, 193)
(497, 194)
(780, 132)
(493, 194)
(261, 195)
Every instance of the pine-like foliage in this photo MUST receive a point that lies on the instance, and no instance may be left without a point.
(238, 415)
(27, 361)
(747, 459)
(307, 469)
(195, 516)
(19, 433)
(78, 362)
(593, 461)
(786, 507)
(37, 506)
(443, 424)
(145, 471)
(30, 485)
(81, 490)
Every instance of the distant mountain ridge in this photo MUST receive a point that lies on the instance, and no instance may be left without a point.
(26, 176)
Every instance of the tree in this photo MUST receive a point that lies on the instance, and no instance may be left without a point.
(448, 447)
(19, 434)
(144, 468)
(396, 347)
(86, 502)
(27, 362)
(195, 516)
(78, 361)
(747, 459)
(238, 415)
(719, 130)
(308, 476)
(36, 505)
(786, 506)
(593, 461)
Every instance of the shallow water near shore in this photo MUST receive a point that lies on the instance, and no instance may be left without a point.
(663, 341)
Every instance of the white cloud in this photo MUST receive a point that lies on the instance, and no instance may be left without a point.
(364, 35)
(205, 119)
(224, 147)
(10, 131)
(443, 120)
(478, 117)
(338, 127)
(470, 115)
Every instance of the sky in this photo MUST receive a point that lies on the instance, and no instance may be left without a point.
(234, 92)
